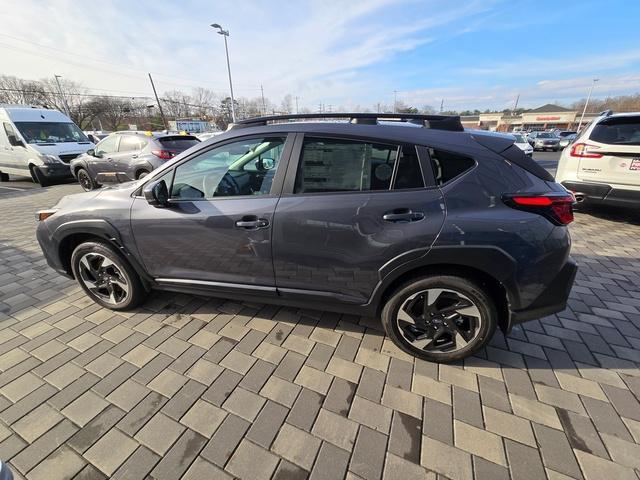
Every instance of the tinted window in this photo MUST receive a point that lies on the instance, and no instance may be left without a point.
(130, 143)
(409, 173)
(240, 168)
(108, 145)
(447, 165)
(618, 131)
(178, 144)
(329, 165)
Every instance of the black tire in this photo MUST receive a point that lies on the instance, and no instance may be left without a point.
(481, 300)
(136, 294)
(4, 177)
(39, 177)
(85, 180)
(141, 174)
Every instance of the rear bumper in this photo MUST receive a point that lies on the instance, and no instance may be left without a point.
(552, 300)
(604, 193)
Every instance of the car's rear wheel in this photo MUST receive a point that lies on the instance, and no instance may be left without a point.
(441, 318)
(106, 277)
(141, 174)
(85, 180)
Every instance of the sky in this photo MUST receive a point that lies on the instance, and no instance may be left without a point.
(348, 54)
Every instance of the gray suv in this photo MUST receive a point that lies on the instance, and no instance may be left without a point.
(129, 155)
(441, 233)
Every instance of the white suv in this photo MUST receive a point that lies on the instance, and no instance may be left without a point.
(603, 163)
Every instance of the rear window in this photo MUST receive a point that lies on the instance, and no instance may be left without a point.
(617, 131)
(546, 135)
(178, 144)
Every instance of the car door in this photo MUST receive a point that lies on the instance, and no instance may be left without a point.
(217, 230)
(102, 159)
(13, 156)
(612, 153)
(350, 210)
(128, 151)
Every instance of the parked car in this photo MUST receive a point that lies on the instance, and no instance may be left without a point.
(564, 133)
(96, 135)
(543, 141)
(523, 144)
(443, 234)
(603, 164)
(566, 140)
(39, 143)
(130, 155)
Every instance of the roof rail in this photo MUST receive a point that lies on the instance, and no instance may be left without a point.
(437, 122)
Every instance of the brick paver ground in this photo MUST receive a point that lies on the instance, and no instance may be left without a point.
(199, 388)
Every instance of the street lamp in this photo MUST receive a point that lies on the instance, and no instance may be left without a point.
(225, 34)
(64, 100)
(587, 102)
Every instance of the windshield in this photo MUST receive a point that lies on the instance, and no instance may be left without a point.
(519, 138)
(51, 132)
(546, 135)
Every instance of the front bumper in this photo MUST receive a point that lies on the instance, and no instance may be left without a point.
(605, 194)
(49, 249)
(55, 170)
(552, 300)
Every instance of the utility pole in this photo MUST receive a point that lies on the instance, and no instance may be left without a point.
(264, 105)
(164, 120)
(515, 107)
(442, 105)
(297, 110)
(64, 100)
(587, 102)
(395, 100)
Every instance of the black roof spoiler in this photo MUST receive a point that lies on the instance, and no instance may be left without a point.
(438, 122)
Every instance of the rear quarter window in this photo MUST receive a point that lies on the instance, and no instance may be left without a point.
(449, 165)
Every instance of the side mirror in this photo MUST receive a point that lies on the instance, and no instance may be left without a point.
(156, 193)
(264, 164)
(15, 141)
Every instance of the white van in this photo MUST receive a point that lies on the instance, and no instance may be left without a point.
(39, 143)
(602, 165)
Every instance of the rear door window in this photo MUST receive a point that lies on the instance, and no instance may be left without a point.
(617, 131)
(337, 165)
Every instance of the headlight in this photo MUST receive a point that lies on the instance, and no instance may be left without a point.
(49, 158)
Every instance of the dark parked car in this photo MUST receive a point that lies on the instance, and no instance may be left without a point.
(544, 141)
(443, 234)
(129, 155)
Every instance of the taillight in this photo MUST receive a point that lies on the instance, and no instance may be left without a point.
(162, 154)
(584, 150)
(556, 207)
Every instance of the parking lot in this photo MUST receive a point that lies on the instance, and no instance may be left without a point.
(199, 388)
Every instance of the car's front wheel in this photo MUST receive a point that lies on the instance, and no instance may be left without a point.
(85, 180)
(107, 277)
(441, 318)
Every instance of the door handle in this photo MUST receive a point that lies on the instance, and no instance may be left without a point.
(402, 215)
(134, 156)
(251, 222)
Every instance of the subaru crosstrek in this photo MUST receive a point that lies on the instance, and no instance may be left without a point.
(443, 234)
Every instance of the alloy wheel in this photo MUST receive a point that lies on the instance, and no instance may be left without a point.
(103, 278)
(84, 180)
(439, 320)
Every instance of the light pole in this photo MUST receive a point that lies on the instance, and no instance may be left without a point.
(64, 100)
(225, 34)
(584, 110)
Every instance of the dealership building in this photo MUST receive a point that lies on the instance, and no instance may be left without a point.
(547, 117)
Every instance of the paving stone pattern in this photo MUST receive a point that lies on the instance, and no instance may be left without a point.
(192, 387)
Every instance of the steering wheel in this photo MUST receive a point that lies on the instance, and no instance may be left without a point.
(221, 187)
